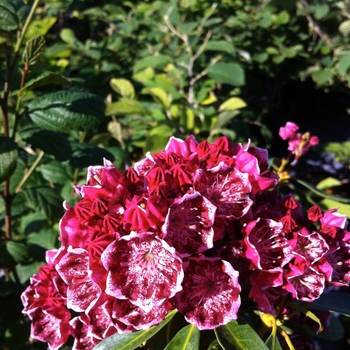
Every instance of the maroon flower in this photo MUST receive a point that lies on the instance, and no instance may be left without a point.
(266, 244)
(304, 282)
(143, 269)
(188, 225)
(210, 295)
(228, 189)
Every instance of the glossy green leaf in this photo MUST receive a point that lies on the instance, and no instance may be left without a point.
(159, 61)
(8, 157)
(54, 172)
(39, 27)
(335, 302)
(273, 343)
(44, 200)
(239, 337)
(322, 193)
(185, 339)
(67, 110)
(46, 78)
(228, 73)
(47, 238)
(12, 14)
(19, 251)
(85, 154)
(130, 341)
(335, 333)
(48, 141)
(26, 271)
(224, 118)
(33, 50)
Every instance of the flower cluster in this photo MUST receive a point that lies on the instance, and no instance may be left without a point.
(298, 144)
(182, 229)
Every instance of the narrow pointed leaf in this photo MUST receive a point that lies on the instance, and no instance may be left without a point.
(8, 157)
(272, 343)
(131, 341)
(322, 193)
(238, 336)
(33, 50)
(63, 111)
(185, 339)
(334, 302)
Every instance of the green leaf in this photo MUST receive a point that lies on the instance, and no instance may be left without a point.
(334, 302)
(26, 271)
(67, 110)
(161, 96)
(157, 138)
(54, 172)
(265, 19)
(46, 78)
(282, 18)
(343, 65)
(336, 331)
(220, 45)
(273, 343)
(123, 87)
(224, 118)
(19, 251)
(33, 50)
(321, 76)
(322, 193)
(344, 27)
(12, 14)
(232, 104)
(159, 61)
(48, 141)
(228, 73)
(321, 11)
(8, 157)
(39, 27)
(238, 336)
(124, 106)
(130, 341)
(67, 35)
(47, 238)
(32, 222)
(44, 200)
(185, 339)
(85, 154)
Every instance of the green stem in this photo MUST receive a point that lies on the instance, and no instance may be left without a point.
(26, 25)
(27, 175)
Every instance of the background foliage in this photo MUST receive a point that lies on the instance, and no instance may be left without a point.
(90, 79)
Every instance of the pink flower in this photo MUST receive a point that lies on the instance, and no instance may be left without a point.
(288, 131)
(143, 269)
(266, 244)
(46, 307)
(210, 295)
(228, 189)
(189, 224)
